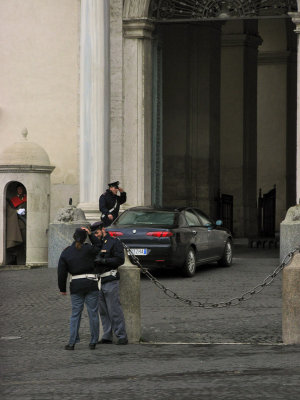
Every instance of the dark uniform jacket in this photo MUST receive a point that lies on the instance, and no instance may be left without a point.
(77, 262)
(108, 201)
(112, 252)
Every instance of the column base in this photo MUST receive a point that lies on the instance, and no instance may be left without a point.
(91, 211)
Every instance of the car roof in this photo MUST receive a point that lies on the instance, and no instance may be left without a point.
(150, 208)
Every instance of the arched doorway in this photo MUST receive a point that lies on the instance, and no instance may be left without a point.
(223, 102)
(15, 213)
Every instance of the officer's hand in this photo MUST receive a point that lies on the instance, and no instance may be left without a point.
(121, 190)
(63, 293)
(86, 229)
(110, 216)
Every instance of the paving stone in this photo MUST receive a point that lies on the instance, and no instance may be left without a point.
(36, 366)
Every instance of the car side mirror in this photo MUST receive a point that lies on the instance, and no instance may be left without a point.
(219, 222)
(209, 226)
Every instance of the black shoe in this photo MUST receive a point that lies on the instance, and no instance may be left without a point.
(105, 341)
(70, 347)
(92, 346)
(122, 341)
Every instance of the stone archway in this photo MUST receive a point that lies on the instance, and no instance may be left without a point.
(139, 20)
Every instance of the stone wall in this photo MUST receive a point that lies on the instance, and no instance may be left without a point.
(39, 46)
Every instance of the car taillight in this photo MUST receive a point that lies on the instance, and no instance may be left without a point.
(115, 233)
(160, 234)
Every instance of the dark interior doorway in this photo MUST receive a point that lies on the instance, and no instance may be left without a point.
(15, 234)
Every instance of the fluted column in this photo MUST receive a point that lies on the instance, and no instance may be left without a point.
(296, 20)
(94, 104)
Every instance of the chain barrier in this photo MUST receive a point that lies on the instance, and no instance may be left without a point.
(232, 302)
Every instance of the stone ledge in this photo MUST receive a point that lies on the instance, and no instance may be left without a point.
(22, 267)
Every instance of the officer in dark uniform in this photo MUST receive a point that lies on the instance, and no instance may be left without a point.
(111, 256)
(78, 261)
(109, 202)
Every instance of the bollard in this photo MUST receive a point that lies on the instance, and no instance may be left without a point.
(130, 299)
(290, 231)
(291, 302)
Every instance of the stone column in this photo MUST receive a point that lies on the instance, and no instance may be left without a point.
(94, 104)
(291, 302)
(239, 124)
(137, 110)
(130, 297)
(296, 20)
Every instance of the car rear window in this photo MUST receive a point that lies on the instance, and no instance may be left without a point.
(161, 218)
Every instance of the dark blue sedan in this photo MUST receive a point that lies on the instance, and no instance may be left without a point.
(177, 237)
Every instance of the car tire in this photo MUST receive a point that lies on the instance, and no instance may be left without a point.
(189, 267)
(226, 259)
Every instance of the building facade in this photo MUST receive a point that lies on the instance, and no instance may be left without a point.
(181, 101)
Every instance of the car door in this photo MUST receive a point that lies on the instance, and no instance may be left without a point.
(215, 236)
(198, 235)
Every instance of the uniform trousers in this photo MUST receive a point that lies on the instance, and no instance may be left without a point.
(91, 299)
(110, 310)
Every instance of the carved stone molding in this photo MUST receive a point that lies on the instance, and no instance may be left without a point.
(296, 19)
(138, 28)
(40, 169)
(275, 57)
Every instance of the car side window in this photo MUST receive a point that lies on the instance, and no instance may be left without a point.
(192, 219)
(203, 218)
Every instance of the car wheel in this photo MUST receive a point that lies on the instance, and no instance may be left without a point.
(226, 259)
(189, 268)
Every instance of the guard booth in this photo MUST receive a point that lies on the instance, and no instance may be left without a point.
(24, 221)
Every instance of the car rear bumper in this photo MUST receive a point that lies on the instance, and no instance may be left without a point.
(157, 256)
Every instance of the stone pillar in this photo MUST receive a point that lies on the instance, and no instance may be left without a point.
(290, 231)
(131, 299)
(239, 123)
(289, 238)
(61, 231)
(94, 104)
(137, 110)
(291, 302)
(296, 20)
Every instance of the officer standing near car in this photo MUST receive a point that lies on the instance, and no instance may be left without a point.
(110, 201)
(111, 256)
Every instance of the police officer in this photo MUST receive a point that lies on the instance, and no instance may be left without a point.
(109, 203)
(78, 260)
(111, 256)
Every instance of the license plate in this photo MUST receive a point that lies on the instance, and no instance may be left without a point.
(139, 252)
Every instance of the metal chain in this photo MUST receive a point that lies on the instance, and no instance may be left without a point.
(232, 302)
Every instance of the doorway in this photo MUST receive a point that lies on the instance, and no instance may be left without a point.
(15, 227)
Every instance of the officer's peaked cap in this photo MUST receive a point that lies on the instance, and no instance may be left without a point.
(97, 225)
(114, 184)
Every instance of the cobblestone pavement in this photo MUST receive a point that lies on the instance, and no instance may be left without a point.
(254, 365)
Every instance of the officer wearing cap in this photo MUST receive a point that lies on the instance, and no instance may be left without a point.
(110, 201)
(111, 256)
(78, 261)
